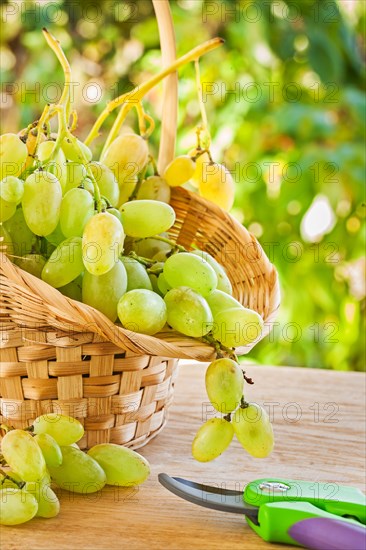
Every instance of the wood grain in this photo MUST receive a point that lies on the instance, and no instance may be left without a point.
(325, 444)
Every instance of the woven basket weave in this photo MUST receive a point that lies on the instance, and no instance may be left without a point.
(59, 355)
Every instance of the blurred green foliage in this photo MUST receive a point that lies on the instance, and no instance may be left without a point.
(286, 105)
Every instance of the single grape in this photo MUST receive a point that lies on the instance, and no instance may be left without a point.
(217, 185)
(253, 430)
(76, 174)
(16, 506)
(212, 439)
(13, 154)
(7, 210)
(23, 455)
(107, 183)
(126, 188)
(149, 248)
(219, 301)
(224, 385)
(50, 449)
(137, 276)
(64, 429)
(48, 503)
(142, 311)
(78, 473)
(57, 164)
(237, 327)
(126, 156)
(121, 465)
(115, 213)
(187, 269)
(223, 281)
(146, 218)
(73, 290)
(72, 153)
(32, 263)
(154, 188)
(12, 189)
(65, 263)
(188, 312)
(163, 285)
(103, 292)
(6, 244)
(22, 237)
(179, 171)
(77, 207)
(56, 237)
(202, 161)
(103, 240)
(42, 202)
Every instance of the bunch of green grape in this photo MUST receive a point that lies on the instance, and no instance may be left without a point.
(47, 453)
(98, 233)
(249, 422)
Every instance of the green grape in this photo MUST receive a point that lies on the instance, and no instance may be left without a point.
(115, 213)
(224, 385)
(107, 183)
(126, 156)
(186, 269)
(50, 449)
(149, 248)
(180, 170)
(253, 430)
(12, 189)
(76, 174)
(73, 290)
(237, 327)
(77, 208)
(7, 210)
(103, 239)
(48, 503)
(154, 283)
(64, 429)
(219, 301)
(6, 244)
(126, 188)
(56, 237)
(223, 281)
(23, 455)
(104, 291)
(212, 439)
(22, 237)
(146, 218)
(201, 160)
(188, 312)
(78, 473)
(6, 479)
(16, 506)
(163, 286)
(217, 185)
(42, 202)
(57, 164)
(65, 263)
(137, 276)
(72, 153)
(121, 465)
(32, 263)
(142, 311)
(13, 154)
(154, 188)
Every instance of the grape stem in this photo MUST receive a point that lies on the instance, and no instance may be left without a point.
(128, 100)
(143, 118)
(19, 484)
(227, 417)
(179, 247)
(221, 350)
(202, 105)
(247, 379)
(140, 179)
(243, 403)
(144, 261)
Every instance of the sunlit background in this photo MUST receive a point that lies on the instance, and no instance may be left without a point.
(286, 107)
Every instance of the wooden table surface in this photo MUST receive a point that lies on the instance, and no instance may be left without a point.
(319, 422)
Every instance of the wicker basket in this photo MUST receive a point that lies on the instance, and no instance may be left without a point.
(59, 355)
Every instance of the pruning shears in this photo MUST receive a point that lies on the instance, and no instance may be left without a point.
(319, 516)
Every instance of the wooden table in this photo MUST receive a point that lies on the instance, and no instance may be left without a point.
(319, 421)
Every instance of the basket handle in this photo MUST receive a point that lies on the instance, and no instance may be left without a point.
(170, 90)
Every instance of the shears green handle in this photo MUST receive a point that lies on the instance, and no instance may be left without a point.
(283, 503)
